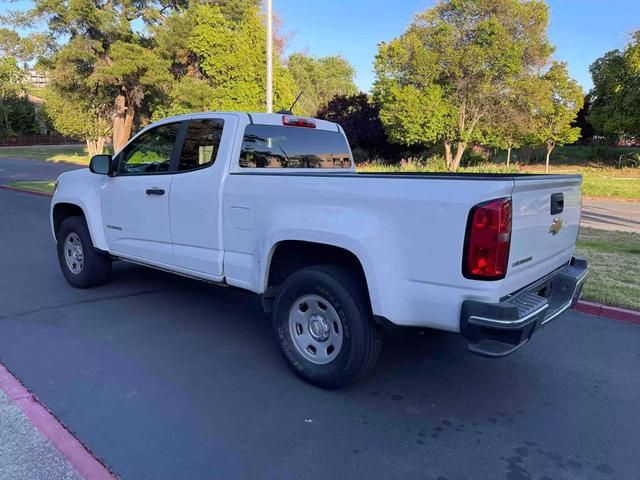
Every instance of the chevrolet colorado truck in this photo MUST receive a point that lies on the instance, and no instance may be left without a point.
(272, 204)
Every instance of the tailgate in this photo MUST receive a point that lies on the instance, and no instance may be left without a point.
(546, 220)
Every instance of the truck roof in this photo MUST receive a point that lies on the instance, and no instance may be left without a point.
(260, 118)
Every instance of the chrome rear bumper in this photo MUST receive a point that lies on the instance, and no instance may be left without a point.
(498, 329)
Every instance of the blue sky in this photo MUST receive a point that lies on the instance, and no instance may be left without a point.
(582, 30)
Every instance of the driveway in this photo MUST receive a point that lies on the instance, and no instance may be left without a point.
(165, 377)
(611, 215)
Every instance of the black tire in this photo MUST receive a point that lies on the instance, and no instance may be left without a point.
(361, 338)
(96, 266)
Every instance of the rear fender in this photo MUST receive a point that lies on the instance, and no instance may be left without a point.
(325, 238)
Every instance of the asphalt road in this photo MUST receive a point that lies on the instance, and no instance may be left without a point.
(167, 378)
(611, 215)
(16, 170)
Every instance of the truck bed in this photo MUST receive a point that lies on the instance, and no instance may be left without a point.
(418, 175)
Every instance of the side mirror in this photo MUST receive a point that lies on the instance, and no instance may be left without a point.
(100, 164)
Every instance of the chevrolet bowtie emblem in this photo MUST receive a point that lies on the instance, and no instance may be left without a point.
(556, 226)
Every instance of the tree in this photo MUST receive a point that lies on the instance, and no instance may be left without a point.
(582, 121)
(562, 98)
(217, 56)
(453, 68)
(98, 45)
(360, 119)
(133, 71)
(319, 80)
(512, 124)
(615, 109)
(85, 117)
(12, 85)
(508, 136)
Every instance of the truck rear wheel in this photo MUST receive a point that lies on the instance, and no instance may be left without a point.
(81, 264)
(324, 326)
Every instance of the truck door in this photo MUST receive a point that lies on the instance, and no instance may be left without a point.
(195, 204)
(135, 202)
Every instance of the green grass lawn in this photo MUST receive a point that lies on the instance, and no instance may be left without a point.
(614, 264)
(605, 182)
(50, 153)
(45, 186)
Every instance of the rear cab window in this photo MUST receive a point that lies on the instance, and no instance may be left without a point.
(201, 144)
(274, 146)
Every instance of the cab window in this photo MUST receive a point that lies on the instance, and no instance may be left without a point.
(200, 144)
(273, 146)
(150, 153)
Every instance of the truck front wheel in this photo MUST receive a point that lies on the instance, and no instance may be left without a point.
(324, 326)
(81, 264)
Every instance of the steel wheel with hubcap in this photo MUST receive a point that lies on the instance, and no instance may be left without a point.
(82, 265)
(73, 253)
(324, 325)
(315, 328)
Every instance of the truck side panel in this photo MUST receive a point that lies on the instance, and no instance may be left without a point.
(408, 235)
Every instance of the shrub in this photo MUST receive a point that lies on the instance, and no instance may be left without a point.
(435, 163)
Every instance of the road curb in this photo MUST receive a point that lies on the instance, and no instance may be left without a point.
(615, 313)
(23, 190)
(69, 446)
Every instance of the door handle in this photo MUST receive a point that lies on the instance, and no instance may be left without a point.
(155, 191)
(557, 203)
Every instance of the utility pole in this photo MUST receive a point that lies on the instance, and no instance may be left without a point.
(269, 57)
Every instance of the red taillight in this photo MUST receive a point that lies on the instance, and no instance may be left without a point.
(488, 239)
(290, 121)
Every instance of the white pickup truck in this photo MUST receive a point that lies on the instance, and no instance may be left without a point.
(272, 204)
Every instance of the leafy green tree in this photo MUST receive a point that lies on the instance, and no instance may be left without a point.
(360, 119)
(11, 45)
(453, 66)
(562, 98)
(217, 56)
(12, 87)
(99, 47)
(22, 116)
(319, 80)
(84, 117)
(615, 108)
(134, 71)
(582, 121)
(512, 123)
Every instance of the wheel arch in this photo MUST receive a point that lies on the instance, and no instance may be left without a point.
(62, 210)
(288, 255)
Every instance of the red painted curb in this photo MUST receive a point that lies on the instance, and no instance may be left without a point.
(32, 192)
(614, 313)
(70, 448)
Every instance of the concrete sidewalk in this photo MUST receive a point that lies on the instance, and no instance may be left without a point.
(24, 452)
